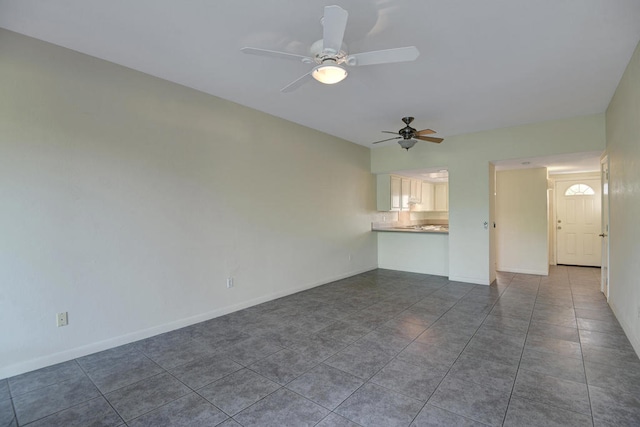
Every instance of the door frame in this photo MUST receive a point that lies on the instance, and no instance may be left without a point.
(604, 180)
(556, 178)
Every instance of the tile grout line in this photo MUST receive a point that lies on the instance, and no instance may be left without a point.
(504, 418)
(366, 381)
(454, 362)
(584, 367)
(103, 394)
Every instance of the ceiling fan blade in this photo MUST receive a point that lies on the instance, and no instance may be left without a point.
(296, 83)
(276, 54)
(334, 23)
(429, 138)
(388, 131)
(400, 54)
(377, 142)
(424, 132)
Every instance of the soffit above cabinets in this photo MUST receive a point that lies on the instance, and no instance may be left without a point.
(430, 175)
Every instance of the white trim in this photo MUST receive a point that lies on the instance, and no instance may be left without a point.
(575, 176)
(604, 161)
(524, 271)
(551, 206)
(628, 329)
(474, 280)
(63, 356)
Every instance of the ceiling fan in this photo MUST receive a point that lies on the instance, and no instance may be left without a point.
(330, 54)
(409, 136)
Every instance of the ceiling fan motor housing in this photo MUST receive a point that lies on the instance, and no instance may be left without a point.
(320, 54)
(407, 132)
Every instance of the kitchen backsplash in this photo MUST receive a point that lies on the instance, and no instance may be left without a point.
(429, 215)
(385, 217)
(395, 219)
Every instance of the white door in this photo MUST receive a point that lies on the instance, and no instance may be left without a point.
(604, 285)
(578, 205)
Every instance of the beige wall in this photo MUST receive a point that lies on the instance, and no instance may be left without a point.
(127, 201)
(623, 148)
(521, 216)
(468, 157)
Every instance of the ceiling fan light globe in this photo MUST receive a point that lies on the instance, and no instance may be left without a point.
(329, 74)
(407, 143)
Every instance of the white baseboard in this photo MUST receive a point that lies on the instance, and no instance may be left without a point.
(628, 331)
(474, 280)
(538, 272)
(444, 273)
(63, 356)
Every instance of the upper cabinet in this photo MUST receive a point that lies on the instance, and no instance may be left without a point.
(397, 193)
(441, 196)
(427, 200)
(416, 191)
(435, 197)
(405, 193)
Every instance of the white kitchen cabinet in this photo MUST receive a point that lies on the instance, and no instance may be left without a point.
(394, 192)
(435, 197)
(441, 196)
(426, 199)
(416, 191)
(388, 192)
(405, 193)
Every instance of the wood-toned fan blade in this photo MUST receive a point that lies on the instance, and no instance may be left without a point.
(388, 131)
(424, 132)
(429, 138)
(296, 83)
(275, 54)
(384, 140)
(334, 23)
(400, 54)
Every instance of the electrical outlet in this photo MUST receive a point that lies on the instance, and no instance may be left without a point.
(349, 257)
(62, 319)
(229, 282)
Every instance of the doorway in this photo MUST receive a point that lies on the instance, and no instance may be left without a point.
(578, 222)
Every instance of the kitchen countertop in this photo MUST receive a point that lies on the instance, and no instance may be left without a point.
(423, 229)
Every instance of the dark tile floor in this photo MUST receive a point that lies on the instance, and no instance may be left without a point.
(383, 348)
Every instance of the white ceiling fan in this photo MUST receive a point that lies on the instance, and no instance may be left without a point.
(330, 53)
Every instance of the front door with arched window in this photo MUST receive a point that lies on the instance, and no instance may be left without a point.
(578, 222)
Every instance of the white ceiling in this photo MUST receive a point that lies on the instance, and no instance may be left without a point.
(483, 64)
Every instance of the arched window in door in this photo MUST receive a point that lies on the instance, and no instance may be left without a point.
(579, 190)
